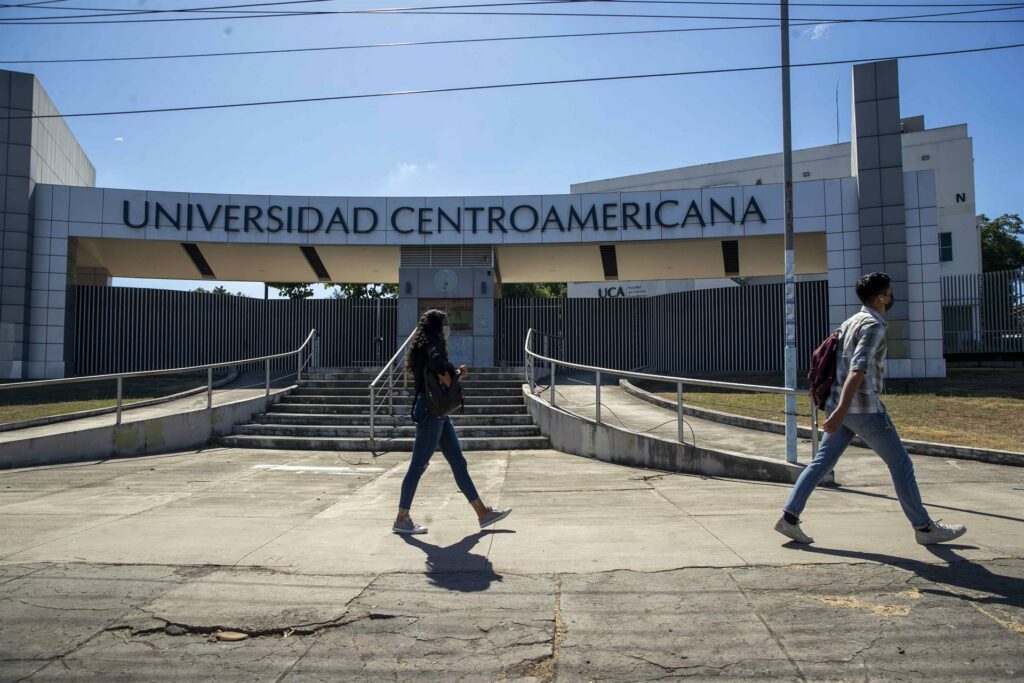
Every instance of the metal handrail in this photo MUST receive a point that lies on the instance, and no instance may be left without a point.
(209, 367)
(531, 356)
(389, 370)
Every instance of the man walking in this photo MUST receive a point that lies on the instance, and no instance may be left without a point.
(854, 408)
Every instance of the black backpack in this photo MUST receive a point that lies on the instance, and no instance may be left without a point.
(442, 401)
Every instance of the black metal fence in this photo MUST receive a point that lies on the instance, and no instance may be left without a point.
(983, 313)
(121, 329)
(727, 330)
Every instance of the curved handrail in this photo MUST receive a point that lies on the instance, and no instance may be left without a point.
(392, 360)
(147, 373)
(531, 356)
(389, 371)
(209, 367)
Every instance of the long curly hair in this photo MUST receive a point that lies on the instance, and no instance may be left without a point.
(431, 324)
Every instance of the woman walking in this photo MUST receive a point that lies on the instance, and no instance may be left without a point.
(428, 351)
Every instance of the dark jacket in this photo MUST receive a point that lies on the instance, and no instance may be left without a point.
(433, 359)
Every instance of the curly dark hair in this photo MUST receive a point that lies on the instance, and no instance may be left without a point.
(431, 324)
(871, 285)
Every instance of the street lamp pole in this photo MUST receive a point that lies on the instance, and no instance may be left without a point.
(787, 162)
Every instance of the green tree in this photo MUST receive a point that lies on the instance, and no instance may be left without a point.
(219, 289)
(364, 291)
(1001, 247)
(293, 290)
(534, 290)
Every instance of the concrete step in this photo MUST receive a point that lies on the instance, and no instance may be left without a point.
(400, 419)
(470, 400)
(363, 431)
(364, 409)
(470, 389)
(495, 374)
(365, 386)
(361, 444)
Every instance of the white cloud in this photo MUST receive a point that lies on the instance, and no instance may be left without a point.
(817, 32)
(410, 178)
(119, 139)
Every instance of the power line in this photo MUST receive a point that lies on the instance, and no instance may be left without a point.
(443, 10)
(450, 41)
(500, 86)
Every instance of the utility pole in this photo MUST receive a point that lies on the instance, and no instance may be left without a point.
(787, 162)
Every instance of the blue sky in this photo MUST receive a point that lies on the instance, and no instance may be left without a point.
(518, 141)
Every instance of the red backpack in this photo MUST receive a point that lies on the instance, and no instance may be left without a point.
(823, 370)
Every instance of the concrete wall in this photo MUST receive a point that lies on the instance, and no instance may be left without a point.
(580, 436)
(165, 433)
(34, 262)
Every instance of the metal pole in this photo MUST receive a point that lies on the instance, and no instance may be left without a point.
(679, 412)
(814, 431)
(553, 367)
(372, 426)
(597, 396)
(119, 394)
(787, 162)
(209, 388)
(267, 366)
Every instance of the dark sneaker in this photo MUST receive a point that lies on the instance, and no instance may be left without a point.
(408, 528)
(940, 533)
(792, 531)
(494, 516)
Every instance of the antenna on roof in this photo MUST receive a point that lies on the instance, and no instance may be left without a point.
(837, 111)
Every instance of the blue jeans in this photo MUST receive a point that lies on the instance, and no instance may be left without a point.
(878, 432)
(432, 432)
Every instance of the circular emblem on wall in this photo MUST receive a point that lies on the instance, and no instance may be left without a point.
(446, 280)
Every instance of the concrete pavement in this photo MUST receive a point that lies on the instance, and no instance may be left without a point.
(126, 570)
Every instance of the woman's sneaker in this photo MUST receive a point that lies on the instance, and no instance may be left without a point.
(407, 527)
(792, 531)
(939, 533)
(494, 516)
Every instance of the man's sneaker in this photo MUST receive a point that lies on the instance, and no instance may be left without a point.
(494, 516)
(940, 533)
(407, 527)
(792, 531)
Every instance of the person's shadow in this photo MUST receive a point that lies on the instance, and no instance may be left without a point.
(454, 567)
(958, 572)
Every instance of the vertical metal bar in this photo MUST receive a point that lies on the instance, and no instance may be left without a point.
(679, 412)
(553, 367)
(814, 430)
(373, 400)
(120, 387)
(209, 388)
(597, 396)
(266, 365)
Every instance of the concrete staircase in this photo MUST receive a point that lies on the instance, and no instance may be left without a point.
(329, 410)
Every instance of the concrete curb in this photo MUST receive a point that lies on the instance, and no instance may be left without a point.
(177, 431)
(940, 450)
(67, 417)
(582, 436)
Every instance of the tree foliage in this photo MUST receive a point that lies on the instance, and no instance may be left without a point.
(534, 290)
(1001, 247)
(293, 290)
(219, 289)
(364, 291)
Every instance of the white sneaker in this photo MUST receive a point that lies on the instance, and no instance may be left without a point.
(408, 527)
(494, 516)
(792, 531)
(940, 533)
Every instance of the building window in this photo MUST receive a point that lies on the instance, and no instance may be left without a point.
(945, 246)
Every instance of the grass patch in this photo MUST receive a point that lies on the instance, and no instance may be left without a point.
(978, 407)
(30, 403)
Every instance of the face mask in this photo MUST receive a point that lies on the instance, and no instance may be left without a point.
(446, 330)
(891, 302)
